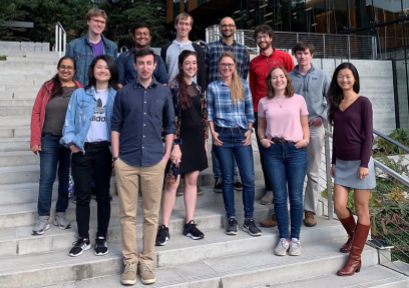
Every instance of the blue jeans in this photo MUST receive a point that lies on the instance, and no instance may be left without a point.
(216, 167)
(285, 163)
(231, 149)
(52, 154)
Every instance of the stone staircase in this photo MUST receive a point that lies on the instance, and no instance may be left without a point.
(218, 260)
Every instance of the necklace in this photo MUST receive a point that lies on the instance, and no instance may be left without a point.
(281, 104)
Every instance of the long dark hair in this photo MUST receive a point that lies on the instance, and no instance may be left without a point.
(113, 81)
(335, 94)
(57, 87)
(184, 98)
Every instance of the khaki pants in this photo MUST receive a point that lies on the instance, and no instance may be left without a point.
(314, 152)
(128, 179)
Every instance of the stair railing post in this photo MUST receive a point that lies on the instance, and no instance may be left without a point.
(328, 174)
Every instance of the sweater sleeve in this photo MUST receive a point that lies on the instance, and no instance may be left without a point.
(334, 151)
(367, 132)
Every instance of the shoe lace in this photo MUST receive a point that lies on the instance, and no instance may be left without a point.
(309, 214)
(129, 267)
(146, 267)
(163, 231)
(100, 242)
(78, 242)
(41, 222)
(283, 242)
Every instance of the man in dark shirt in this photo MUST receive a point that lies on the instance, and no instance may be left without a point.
(141, 111)
(127, 73)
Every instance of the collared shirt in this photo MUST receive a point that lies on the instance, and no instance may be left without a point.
(139, 115)
(223, 112)
(214, 50)
(127, 72)
(259, 68)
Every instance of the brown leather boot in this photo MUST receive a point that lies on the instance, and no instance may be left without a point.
(354, 260)
(270, 222)
(349, 225)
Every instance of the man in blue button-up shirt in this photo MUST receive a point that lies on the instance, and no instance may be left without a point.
(143, 112)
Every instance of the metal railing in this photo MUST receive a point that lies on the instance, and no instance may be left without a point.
(388, 174)
(60, 39)
(326, 45)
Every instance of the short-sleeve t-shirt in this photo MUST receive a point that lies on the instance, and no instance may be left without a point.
(98, 131)
(283, 116)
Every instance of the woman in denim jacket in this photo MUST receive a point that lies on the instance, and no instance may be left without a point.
(87, 131)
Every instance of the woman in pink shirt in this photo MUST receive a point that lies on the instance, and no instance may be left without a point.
(283, 131)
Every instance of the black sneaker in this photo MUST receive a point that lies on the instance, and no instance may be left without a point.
(250, 227)
(232, 227)
(163, 236)
(218, 185)
(80, 246)
(191, 231)
(101, 246)
(238, 186)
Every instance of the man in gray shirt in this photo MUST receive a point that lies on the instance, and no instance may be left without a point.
(312, 84)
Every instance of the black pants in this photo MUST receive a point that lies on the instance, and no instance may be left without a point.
(94, 164)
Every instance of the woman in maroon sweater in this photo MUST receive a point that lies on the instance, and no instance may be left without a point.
(352, 164)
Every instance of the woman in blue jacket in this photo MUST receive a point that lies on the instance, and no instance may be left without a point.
(87, 131)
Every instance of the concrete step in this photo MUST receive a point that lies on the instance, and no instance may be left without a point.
(44, 70)
(19, 241)
(16, 103)
(371, 277)
(21, 111)
(25, 214)
(14, 144)
(11, 131)
(19, 174)
(254, 266)
(18, 158)
(19, 89)
(15, 121)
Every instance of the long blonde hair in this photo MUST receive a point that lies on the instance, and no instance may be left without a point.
(236, 86)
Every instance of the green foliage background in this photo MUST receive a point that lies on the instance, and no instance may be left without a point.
(122, 16)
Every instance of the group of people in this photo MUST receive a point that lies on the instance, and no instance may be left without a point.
(148, 117)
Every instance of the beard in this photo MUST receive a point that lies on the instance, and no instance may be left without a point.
(266, 46)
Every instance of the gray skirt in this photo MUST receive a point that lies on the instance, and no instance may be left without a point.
(346, 174)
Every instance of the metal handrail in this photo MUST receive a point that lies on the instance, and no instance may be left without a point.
(60, 39)
(400, 145)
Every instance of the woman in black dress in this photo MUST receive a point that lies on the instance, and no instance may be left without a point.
(189, 151)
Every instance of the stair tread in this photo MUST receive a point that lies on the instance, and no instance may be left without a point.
(312, 251)
(372, 277)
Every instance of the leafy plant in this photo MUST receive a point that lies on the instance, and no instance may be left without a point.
(3, 57)
(384, 147)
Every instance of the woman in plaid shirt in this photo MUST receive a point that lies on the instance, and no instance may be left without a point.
(230, 115)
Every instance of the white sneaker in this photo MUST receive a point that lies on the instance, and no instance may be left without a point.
(282, 247)
(295, 247)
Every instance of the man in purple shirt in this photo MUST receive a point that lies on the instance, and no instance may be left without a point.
(91, 45)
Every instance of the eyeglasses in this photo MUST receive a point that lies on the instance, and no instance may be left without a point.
(99, 21)
(62, 67)
(262, 37)
(228, 26)
(224, 65)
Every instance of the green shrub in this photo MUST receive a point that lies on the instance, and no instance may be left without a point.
(3, 57)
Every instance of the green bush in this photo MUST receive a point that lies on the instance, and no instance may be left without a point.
(3, 57)
(384, 147)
